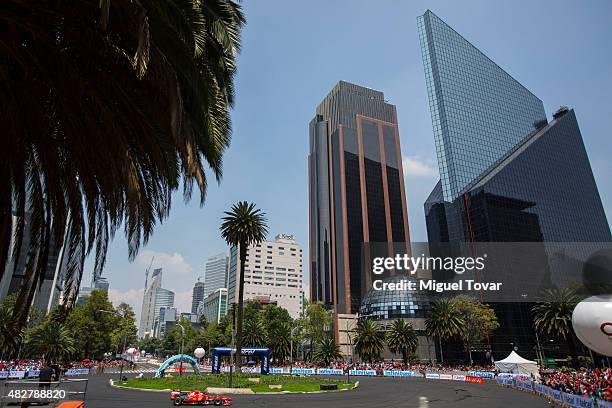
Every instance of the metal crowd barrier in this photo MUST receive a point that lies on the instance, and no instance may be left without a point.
(24, 392)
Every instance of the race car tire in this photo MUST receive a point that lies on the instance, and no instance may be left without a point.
(218, 402)
(178, 401)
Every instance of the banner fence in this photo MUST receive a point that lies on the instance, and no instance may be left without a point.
(570, 400)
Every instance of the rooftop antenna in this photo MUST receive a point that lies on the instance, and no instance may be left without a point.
(147, 272)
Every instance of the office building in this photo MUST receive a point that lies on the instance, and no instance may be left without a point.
(478, 111)
(101, 283)
(197, 296)
(49, 292)
(543, 190)
(215, 276)
(165, 321)
(155, 297)
(84, 293)
(273, 269)
(507, 175)
(356, 191)
(214, 307)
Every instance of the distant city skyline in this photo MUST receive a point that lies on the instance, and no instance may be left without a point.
(266, 162)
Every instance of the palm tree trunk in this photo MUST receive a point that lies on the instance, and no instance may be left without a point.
(441, 354)
(243, 253)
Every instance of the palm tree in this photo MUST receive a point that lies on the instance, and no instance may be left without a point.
(51, 341)
(553, 316)
(327, 351)
(402, 338)
(279, 341)
(369, 340)
(444, 322)
(242, 226)
(108, 106)
(254, 332)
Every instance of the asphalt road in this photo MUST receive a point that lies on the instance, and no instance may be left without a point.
(372, 392)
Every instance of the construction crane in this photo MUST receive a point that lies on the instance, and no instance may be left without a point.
(147, 272)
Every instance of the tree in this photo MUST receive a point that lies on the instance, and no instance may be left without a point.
(402, 338)
(553, 316)
(53, 342)
(369, 340)
(479, 321)
(174, 338)
(444, 322)
(10, 333)
(91, 328)
(151, 345)
(254, 332)
(316, 323)
(127, 319)
(107, 108)
(242, 226)
(327, 351)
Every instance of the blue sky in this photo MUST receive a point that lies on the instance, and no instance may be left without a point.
(294, 52)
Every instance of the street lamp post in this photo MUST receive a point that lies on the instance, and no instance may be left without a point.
(291, 350)
(124, 338)
(181, 351)
(350, 341)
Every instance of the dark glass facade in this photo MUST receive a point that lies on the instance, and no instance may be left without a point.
(541, 191)
(478, 111)
(356, 191)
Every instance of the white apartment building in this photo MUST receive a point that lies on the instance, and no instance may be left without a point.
(273, 270)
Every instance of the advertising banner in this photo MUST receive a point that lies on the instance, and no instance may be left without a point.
(33, 373)
(577, 401)
(3, 375)
(330, 371)
(303, 371)
(362, 372)
(483, 374)
(446, 376)
(524, 385)
(77, 371)
(477, 380)
(432, 376)
(276, 370)
(17, 374)
(604, 404)
(458, 377)
(399, 373)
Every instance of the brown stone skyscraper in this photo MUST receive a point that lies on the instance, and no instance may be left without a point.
(356, 190)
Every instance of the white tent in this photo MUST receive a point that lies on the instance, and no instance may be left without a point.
(516, 364)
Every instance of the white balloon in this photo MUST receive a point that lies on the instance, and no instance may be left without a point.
(199, 352)
(592, 322)
(132, 351)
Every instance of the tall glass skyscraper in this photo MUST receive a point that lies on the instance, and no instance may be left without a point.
(478, 111)
(356, 190)
(506, 174)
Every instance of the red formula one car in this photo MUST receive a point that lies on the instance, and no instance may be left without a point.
(198, 398)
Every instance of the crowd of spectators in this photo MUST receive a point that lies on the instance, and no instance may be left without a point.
(595, 383)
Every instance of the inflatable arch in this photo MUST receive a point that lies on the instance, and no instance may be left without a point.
(263, 353)
(174, 359)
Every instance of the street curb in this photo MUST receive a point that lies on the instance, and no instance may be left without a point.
(112, 384)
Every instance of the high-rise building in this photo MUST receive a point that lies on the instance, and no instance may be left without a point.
(215, 276)
(273, 270)
(543, 190)
(165, 321)
(163, 298)
(214, 306)
(197, 296)
(49, 291)
(478, 111)
(101, 283)
(507, 175)
(356, 190)
(147, 314)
